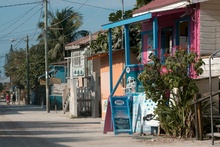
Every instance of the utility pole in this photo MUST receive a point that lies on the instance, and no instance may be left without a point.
(46, 55)
(28, 79)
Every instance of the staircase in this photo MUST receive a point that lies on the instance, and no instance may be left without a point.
(215, 117)
(199, 117)
(215, 134)
(66, 105)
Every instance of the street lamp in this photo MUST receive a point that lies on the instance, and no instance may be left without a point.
(12, 40)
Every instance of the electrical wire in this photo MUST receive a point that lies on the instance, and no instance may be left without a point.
(14, 22)
(22, 33)
(91, 18)
(7, 39)
(22, 4)
(69, 15)
(90, 5)
(38, 22)
(21, 24)
(19, 43)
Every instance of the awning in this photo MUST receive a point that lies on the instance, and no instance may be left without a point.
(164, 8)
(127, 21)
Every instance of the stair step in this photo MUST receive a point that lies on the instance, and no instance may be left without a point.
(216, 134)
(217, 126)
(215, 116)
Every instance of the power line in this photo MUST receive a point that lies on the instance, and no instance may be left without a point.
(20, 24)
(18, 19)
(91, 18)
(90, 5)
(69, 15)
(17, 34)
(22, 4)
(7, 39)
(41, 13)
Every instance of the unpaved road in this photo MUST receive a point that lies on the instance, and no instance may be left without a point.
(32, 126)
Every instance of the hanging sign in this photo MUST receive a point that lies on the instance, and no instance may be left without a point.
(121, 115)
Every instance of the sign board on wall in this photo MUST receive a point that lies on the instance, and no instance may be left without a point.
(132, 83)
(121, 116)
(58, 89)
(51, 81)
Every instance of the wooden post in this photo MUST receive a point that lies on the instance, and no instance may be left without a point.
(199, 118)
(196, 118)
(55, 104)
(199, 109)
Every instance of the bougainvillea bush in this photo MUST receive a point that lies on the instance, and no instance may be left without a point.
(172, 87)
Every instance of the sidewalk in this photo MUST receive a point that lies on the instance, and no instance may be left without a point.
(29, 125)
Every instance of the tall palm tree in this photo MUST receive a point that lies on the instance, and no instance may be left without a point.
(63, 28)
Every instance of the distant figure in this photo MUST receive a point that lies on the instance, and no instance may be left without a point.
(7, 99)
(13, 98)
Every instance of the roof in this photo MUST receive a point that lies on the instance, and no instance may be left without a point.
(60, 63)
(156, 4)
(5, 80)
(82, 41)
(100, 55)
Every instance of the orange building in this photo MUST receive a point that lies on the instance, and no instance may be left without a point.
(101, 64)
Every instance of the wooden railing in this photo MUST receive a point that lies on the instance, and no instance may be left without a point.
(198, 113)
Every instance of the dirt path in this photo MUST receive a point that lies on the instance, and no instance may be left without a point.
(31, 126)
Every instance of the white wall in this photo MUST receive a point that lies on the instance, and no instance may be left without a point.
(210, 35)
(209, 27)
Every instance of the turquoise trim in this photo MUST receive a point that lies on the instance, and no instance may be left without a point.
(163, 33)
(127, 46)
(127, 21)
(162, 47)
(110, 58)
(155, 35)
(189, 36)
(177, 42)
(178, 33)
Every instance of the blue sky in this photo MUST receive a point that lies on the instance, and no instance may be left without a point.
(19, 18)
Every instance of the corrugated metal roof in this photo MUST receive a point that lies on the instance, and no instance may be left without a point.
(156, 4)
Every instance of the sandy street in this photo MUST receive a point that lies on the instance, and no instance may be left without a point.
(32, 126)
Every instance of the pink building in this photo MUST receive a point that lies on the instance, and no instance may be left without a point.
(166, 24)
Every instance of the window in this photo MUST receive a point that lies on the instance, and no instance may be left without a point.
(76, 59)
(147, 46)
(183, 33)
(166, 42)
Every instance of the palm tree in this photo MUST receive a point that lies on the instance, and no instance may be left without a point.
(63, 29)
(140, 3)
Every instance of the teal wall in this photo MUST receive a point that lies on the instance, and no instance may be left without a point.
(57, 100)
